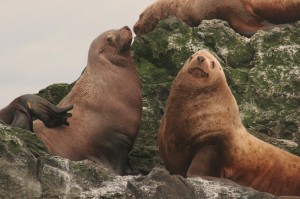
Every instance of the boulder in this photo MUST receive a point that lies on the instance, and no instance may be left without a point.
(28, 171)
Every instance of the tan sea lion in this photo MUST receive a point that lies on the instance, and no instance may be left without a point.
(107, 106)
(201, 134)
(244, 16)
(23, 110)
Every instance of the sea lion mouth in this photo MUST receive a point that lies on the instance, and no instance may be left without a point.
(125, 39)
(125, 46)
(198, 72)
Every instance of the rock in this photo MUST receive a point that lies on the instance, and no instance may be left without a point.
(28, 171)
(160, 184)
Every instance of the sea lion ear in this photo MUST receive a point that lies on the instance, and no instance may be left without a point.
(213, 64)
(100, 51)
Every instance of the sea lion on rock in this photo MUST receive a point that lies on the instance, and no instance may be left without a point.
(244, 16)
(23, 110)
(107, 106)
(201, 134)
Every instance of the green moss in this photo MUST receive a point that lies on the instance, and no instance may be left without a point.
(151, 74)
(55, 92)
(262, 72)
(233, 49)
(14, 147)
(296, 151)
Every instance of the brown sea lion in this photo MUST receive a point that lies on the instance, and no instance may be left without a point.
(107, 106)
(23, 110)
(244, 16)
(201, 134)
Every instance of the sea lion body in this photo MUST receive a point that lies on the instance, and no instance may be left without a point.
(244, 16)
(24, 109)
(107, 106)
(201, 134)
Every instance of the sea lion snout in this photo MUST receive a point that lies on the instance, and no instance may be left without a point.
(127, 31)
(125, 39)
(137, 29)
(200, 59)
(198, 67)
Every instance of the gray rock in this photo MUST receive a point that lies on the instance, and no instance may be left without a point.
(28, 171)
(160, 184)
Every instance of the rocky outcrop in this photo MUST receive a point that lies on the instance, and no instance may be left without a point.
(262, 71)
(28, 171)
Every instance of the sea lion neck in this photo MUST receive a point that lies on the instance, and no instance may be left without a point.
(123, 60)
(183, 86)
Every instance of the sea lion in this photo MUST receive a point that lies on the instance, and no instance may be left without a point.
(23, 110)
(107, 106)
(244, 16)
(201, 134)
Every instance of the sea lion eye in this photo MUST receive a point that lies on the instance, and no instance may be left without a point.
(109, 39)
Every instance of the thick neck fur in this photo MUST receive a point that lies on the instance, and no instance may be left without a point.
(104, 81)
(210, 104)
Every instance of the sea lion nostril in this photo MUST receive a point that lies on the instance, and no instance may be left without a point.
(200, 59)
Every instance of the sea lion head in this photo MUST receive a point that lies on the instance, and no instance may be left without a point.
(149, 19)
(202, 70)
(113, 45)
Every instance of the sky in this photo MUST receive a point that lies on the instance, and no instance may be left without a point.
(46, 42)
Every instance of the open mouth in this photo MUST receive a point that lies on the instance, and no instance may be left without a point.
(198, 72)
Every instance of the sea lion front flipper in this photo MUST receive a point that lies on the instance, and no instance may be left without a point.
(205, 162)
(45, 111)
(51, 115)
